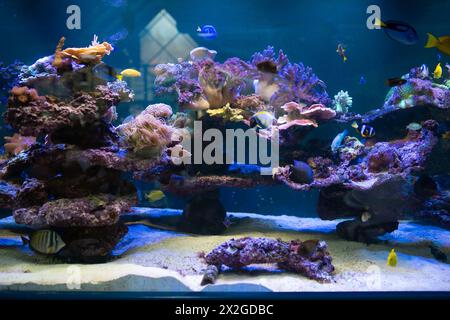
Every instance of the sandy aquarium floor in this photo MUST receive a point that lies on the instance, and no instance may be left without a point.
(161, 261)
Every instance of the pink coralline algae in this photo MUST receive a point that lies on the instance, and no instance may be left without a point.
(302, 115)
(309, 258)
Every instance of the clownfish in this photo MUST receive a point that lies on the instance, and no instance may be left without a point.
(364, 130)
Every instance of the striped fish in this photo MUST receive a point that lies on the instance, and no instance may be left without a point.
(45, 242)
(365, 130)
(262, 120)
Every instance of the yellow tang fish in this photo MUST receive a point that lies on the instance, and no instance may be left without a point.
(128, 73)
(437, 74)
(155, 195)
(441, 43)
(392, 259)
(45, 242)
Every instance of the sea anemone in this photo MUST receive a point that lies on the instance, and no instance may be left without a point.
(146, 135)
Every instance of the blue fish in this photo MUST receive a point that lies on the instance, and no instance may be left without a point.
(362, 80)
(118, 36)
(244, 168)
(207, 32)
(115, 3)
(337, 141)
(301, 172)
(399, 31)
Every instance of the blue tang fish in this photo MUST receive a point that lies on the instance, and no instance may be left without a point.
(207, 31)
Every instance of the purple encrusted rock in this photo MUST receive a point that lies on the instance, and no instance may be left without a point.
(309, 258)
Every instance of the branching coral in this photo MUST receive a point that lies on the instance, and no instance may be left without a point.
(342, 102)
(205, 84)
(147, 136)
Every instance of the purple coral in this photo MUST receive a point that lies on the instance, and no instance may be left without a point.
(309, 258)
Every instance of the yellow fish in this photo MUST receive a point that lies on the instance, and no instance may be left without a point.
(437, 74)
(128, 73)
(155, 195)
(392, 259)
(441, 43)
(446, 135)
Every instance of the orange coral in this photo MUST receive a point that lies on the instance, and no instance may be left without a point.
(24, 95)
(17, 143)
(92, 54)
(57, 61)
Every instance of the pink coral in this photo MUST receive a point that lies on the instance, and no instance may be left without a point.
(302, 115)
(17, 143)
(147, 135)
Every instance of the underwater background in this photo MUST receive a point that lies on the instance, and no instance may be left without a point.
(307, 31)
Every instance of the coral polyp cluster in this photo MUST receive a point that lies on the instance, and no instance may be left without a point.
(148, 135)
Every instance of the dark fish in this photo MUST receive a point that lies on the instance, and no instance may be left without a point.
(437, 253)
(267, 67)
(105, 72)
(301, 172)
(399, 31)
(395, 82)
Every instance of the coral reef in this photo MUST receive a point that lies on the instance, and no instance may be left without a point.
(67, 163)
(309, 258)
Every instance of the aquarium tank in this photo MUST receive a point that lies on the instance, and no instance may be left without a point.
(216, 148)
